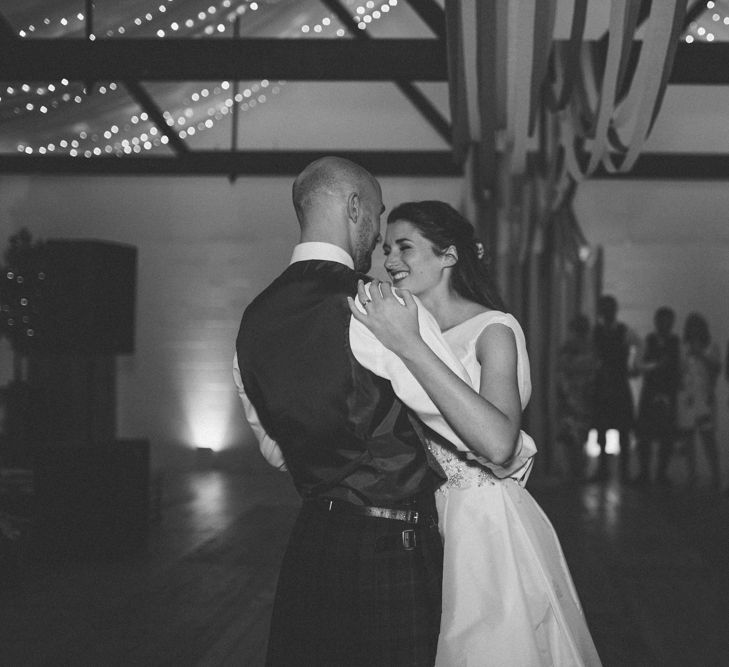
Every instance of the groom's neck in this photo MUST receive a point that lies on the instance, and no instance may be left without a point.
(325, 234)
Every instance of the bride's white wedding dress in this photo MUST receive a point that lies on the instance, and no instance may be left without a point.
(508, 597)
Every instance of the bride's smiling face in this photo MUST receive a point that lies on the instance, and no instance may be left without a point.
(410, 259)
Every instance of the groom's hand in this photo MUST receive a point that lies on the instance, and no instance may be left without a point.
(392, 316)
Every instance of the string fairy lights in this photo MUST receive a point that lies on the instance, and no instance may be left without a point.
(369, 12)
(200, 110)
(712, 27)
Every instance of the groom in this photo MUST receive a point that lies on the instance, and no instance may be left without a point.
(361, 577)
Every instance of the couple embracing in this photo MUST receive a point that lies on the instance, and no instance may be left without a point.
(396, 408)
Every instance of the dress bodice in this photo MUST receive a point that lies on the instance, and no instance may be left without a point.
(461, 470)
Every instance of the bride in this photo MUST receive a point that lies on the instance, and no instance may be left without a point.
(508, 598)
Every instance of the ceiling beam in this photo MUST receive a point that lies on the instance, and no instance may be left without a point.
(650, 166)
(673, 167)
(231, 163)
(700, 63)
(210, 59)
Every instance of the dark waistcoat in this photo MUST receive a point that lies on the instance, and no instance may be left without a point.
(613, 351)
(341, 429)
(665, 352)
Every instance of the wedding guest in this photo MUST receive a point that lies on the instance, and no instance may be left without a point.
(657, 405)
(576, 372)
(617, 347)
(700, 368)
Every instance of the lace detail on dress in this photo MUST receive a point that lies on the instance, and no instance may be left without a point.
(462, 472)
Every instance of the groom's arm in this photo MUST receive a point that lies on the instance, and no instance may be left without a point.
(268, 446)
(369, 352)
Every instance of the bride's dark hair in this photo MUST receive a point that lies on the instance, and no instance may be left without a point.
(443, 226)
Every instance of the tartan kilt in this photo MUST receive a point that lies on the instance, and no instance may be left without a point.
(343, 602)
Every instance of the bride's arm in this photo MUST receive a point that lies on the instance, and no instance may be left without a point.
(488, 423)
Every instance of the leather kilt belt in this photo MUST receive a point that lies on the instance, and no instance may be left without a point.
(406, 540)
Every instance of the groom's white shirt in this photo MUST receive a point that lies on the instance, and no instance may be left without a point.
(374, 356)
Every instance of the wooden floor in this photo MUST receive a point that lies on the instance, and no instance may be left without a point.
(651, 567)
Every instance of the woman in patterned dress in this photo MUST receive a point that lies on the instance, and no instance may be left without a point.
(700, 368)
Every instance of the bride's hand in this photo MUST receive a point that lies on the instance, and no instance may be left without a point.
(393, 323)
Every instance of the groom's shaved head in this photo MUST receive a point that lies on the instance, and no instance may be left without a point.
(340, 203)
(325, 178)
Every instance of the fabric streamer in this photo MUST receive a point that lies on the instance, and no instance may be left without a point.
(616, 129)
(505, 69)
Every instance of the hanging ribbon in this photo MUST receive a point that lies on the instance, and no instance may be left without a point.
(643, 101)
(622, 27)
(457, 81)
(500, 56)
(592, 132)
(544, 17)
(565, 61)
(530, 37)
(491, 18)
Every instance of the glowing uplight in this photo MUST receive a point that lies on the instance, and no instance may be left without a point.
(612, 443)
(592, 449)
(208, 418)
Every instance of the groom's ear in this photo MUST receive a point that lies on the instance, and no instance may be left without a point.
(353, 207)
(449, 256)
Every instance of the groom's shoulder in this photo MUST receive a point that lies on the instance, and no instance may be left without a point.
(363, 277)
(330, 277)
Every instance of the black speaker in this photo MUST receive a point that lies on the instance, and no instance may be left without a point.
(76, 394)
(91, 502)
(88, 297)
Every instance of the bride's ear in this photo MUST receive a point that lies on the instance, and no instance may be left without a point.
(449, 256)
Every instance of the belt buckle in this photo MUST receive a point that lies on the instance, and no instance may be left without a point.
(408, 539)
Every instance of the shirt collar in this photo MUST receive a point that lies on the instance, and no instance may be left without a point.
(322, 251)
